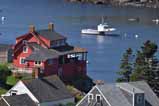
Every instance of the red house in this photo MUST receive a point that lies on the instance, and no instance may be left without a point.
(48, 51)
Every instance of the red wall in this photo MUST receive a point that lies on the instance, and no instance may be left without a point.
(19, 54)
(51, 68)
(47, 42)
(72, 69)
(69, 69)
(31, 38)
(22, 37)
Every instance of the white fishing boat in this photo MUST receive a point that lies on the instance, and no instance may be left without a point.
(134, 19)
(156, 21)
(105, 28)
(90, 31)
(101, 29)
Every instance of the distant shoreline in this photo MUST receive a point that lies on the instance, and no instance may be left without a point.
(119, 3)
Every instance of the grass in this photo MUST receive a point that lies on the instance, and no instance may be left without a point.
(11, 80)
(2, 91)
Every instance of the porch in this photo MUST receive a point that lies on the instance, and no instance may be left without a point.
(72, 64)
(26, 69)
(22, 70)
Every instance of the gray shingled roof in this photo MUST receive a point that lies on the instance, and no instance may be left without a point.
(40, 53)
(150, 96)
(48, 89)
(130, 87)
(114, 95)
(5, 47)
(51, 35)
(19, 100)
(2, 102)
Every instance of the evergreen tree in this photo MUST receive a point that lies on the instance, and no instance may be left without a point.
(126, 67)
(146, 65)
(4, 73)
(143, 69)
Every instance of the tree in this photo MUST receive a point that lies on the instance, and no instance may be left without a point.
(145, 67)
(145, 58)
(126, 66)
(4, 73)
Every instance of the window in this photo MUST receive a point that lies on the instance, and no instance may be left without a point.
(55, 44)
(22, 60)
(24, 41)
(62, 42)
(98, 98)
(58, 43)
(71, 56)
(13, 92)
(139, 99)
(25, 49)
(37, 63)
(90, 97)
(50, 61)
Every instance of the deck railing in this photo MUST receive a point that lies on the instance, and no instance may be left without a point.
(22, 70)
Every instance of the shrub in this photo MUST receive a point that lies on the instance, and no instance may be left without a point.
(2, 91)
(4, 72)
(70, 104)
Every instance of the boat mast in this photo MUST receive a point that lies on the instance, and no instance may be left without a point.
(102, 20)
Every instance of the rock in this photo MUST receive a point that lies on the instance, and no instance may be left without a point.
(141, 3)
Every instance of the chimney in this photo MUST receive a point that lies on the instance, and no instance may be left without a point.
(51, 26)
(98, 82)
(31, 28)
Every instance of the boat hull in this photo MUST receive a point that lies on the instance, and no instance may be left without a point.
(91, 32)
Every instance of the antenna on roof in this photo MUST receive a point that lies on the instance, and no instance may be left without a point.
(133, 90)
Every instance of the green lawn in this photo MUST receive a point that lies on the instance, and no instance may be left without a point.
(11, 80)
(2, 91)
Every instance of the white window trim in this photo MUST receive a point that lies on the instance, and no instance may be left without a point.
(90, 94)
(26, 49)
(99, 96)
(21, 59)
(95, 87)
(13, 92)
(24, 41)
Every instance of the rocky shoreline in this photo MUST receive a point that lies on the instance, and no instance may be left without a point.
(141, 3)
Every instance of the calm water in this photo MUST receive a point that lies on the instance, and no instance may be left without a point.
(69, 18)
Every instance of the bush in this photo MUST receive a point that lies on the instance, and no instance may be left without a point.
(2, 91)
(4, 72)
(78, 98)
(70, 104)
